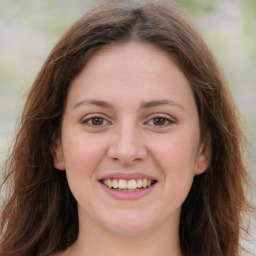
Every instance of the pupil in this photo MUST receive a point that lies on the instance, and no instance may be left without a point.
(159, 121)
(97, 121)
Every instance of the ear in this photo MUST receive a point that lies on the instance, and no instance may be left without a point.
(203, 156)
(57, 155)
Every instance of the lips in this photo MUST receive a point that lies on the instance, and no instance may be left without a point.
(127, 185)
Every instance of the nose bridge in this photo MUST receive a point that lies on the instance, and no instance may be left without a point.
(127, 145)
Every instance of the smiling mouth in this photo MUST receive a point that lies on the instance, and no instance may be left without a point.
(128, 185)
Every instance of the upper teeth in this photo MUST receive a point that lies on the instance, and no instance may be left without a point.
(127, 184)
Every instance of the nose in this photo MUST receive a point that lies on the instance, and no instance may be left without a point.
(127, 146)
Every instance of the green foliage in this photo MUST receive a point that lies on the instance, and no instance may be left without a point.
(199, 6)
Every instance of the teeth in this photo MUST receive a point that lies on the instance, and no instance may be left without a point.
(132, 184)
(115, 183)
(109, 183)
(127, 185)
(139, 183)
(144, 183)
(122, 184)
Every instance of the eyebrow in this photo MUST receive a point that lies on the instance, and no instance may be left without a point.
(99, 103)
(156, 103)
(148, 104)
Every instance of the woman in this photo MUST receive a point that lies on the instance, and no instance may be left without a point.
(129, 144)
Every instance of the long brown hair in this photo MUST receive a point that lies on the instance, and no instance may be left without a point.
(39, 214)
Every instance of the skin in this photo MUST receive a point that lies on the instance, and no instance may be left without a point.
(129, 138)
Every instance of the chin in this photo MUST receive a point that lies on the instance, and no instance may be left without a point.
(129, 223)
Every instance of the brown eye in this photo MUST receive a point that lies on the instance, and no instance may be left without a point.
(159, 121)
(97, 121)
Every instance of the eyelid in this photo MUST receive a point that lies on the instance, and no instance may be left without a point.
(168, 118)
(89, 117)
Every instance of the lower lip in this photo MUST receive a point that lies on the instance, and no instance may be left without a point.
(127, 195)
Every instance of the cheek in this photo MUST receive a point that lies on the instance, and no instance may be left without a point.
(176, 158)
(82, 155)
(178, 152)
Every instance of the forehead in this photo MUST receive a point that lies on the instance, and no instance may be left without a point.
(131, 73)
(138, 60)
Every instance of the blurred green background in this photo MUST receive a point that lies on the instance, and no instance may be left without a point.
(30, 28)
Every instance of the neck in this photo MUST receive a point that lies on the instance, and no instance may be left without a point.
(93, 240)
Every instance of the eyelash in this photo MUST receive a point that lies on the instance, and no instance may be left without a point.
(167, 121)
(89, 121)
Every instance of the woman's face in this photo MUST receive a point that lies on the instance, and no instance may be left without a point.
(130, 140)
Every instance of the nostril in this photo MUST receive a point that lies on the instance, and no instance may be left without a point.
(127, 156)
(126, 147)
